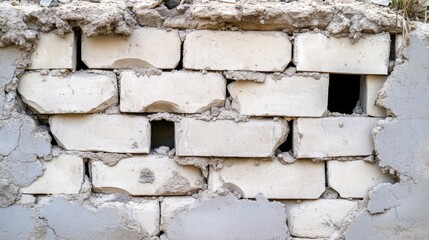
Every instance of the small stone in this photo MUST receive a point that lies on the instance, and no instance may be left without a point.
(381, 2)
(170, 4)
(48, 3)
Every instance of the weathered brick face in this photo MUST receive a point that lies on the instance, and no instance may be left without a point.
(177, 132)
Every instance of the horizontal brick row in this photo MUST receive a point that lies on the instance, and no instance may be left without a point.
(186, 92)
(312, 137)
(153, 175)
(219, 50)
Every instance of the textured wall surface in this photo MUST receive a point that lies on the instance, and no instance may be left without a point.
(152, 119)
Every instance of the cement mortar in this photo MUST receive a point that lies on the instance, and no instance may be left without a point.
(20, 22)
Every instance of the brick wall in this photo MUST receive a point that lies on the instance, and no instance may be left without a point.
(166, 121)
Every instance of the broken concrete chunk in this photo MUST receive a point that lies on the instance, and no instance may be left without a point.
(245, 76)
(226, 138)
(333, 137)
(63, 175)
(300, 180)
(63, 55)
(80, 92)
(144, 48)
(180, 92)
(319, 218)
(368, 55)
(228, 50)
(171, 206)
(297, 96)
(148, 175)
(370, 85)
(99, 132)
(353, 179)
(230, 219)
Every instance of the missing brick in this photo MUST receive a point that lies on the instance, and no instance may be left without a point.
(344, 91)
(162, 134)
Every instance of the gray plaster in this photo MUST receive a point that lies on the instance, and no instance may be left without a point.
(228, 218)
(397, 211)
(401, 211)
(27, 142)
(403, 144)
(406, 91)
(8, 57)
(16, 223)
(74, 221)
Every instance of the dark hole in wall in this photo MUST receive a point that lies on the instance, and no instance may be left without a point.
(287, 145)
(87, 167)
(228, 81)
(392, 55)
(162, 134)
(180, 64)
(170, 4)
(80, 65)
(344, 91)
(291, 64)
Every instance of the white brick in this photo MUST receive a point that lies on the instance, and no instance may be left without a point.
(53, 52)
(297, 95)
(80, 92)
(181, 92)
(98, 132)
(226, 138)
(251, 50)
(333, 137)
(63, 175)
(146, 175)
(300, 180)
(353, 179)
(171, 206)
(145, 47)
(370, 85)
(316, 52)
(319, 218)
